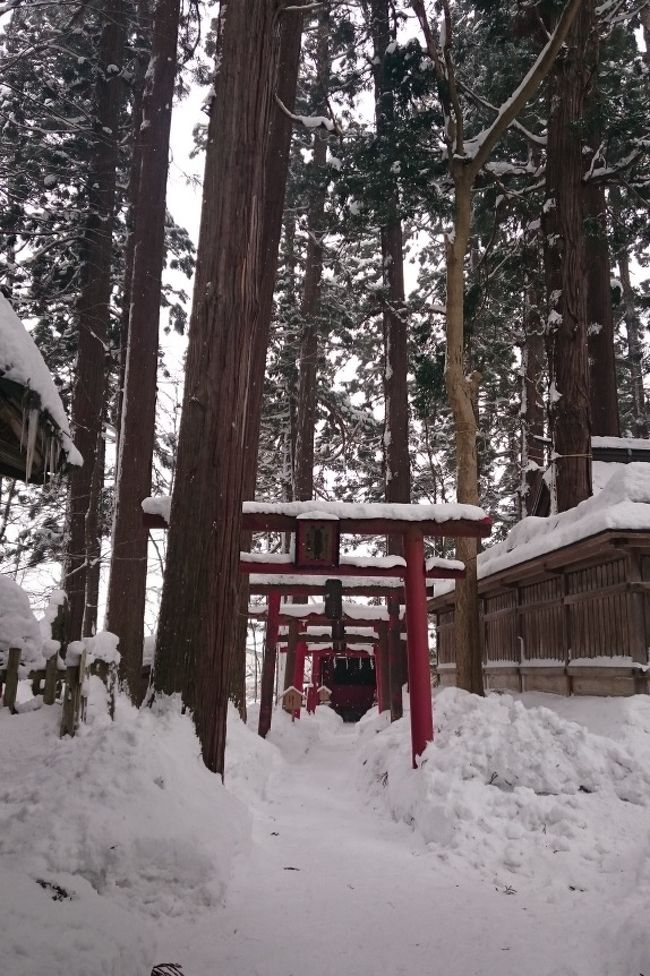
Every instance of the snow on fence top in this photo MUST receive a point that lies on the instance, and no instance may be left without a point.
(622, 505)
(22, 363)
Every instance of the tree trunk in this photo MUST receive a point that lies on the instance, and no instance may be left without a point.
(634, 328)
(94, 542)
(303, 478)
(462, 391)
(137, 87)
(396, 413)
(127, 588)
(600, 317)
(278, 165)
(532, 406)
(564, 258)
(200, 599)
(93, 306)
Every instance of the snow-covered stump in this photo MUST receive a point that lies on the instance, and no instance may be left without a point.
(72, 695)
(11, 678)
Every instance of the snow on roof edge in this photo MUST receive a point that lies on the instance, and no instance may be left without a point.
(21, 362)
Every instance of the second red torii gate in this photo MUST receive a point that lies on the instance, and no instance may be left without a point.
(412, 523)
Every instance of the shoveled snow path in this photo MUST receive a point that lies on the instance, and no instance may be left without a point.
(332, 886)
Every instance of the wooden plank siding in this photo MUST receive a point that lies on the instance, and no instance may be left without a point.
(563, 624)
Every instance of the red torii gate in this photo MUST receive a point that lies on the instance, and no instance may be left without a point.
(317, 528)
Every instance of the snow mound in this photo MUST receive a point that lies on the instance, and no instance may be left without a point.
(21, 361)
(125, 819)
(507, 787)
(18, 625)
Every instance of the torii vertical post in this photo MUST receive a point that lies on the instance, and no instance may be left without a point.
(268, 664)
(299, 671)
(418, 644)
(395, 660)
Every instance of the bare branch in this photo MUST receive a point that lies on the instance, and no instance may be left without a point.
(485, 142)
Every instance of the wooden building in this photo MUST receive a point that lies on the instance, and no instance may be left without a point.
(35, 441)
(564, 601)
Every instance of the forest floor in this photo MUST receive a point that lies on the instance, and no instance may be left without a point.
(521, 847)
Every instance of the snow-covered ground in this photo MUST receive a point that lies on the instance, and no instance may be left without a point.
(521, 847)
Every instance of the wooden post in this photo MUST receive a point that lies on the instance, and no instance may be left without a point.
(395, 669)
(312, 690)
(74, 677)
(299, 671)
(268, 665)
(11, 678)
(418, 644)
(290, 662)
(382, 668)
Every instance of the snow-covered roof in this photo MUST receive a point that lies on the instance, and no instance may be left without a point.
(22, 363)
(623, 504)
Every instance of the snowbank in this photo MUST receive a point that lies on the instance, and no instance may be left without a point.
(18, 625)
(104, 836)
(21, 362)
(513, 790)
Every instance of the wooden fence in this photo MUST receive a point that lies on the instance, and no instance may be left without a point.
(574, 621)
(58, 681)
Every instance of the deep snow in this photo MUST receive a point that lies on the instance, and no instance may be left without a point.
(520, 847)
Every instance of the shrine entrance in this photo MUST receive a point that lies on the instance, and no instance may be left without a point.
(315, 566)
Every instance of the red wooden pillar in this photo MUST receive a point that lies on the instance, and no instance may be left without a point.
(377, 652)
(395, 659)
(299, 671)
(312, 690)
(268, 664)
(418, 644)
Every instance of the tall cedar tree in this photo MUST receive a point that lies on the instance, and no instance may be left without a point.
(128, 574)
(303, 463)
(198, 614)
(277, 169)
(395, 332)
(93, 314)
(565, 263)
(465, 163)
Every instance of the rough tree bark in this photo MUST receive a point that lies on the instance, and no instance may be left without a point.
(634, 329)
(127, 585)
(198, 614)
(94, 542)
(462, 388)
(93, 306)
(600, 316)
(277, 169)
(565, 267)
(143, 47)
(303, 466)
(396, 414)
(532, 407)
